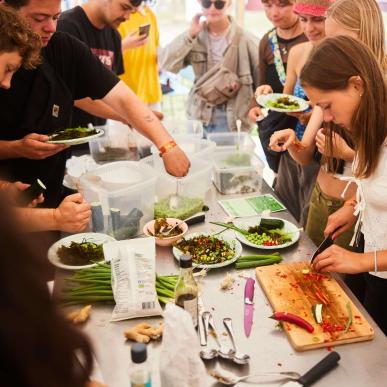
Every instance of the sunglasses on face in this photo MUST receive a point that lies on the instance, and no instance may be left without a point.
(219, 4)
(136, 3)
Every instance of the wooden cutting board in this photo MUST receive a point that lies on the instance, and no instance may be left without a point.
(289, 289)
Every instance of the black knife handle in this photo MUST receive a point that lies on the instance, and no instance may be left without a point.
(195, 219)
(320, 369)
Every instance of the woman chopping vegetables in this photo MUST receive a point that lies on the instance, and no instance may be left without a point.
(353, 95)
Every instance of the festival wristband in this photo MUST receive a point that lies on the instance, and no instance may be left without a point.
(166, 147)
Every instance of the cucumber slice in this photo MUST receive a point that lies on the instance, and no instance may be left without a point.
(317, 313)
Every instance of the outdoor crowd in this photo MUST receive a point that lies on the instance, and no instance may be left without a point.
(90, 63)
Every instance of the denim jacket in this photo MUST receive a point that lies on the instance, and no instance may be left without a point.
(184, 51)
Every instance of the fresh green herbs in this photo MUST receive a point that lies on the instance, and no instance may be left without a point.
(72, 133)
(284, 103)
(79, 254)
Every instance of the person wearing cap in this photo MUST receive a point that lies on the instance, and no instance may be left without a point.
(41, 101)
(294, 182)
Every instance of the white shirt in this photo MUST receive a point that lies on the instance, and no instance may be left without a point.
(218, 45)
(373, 208)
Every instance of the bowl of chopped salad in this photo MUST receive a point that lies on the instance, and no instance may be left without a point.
(283, 103)
(208, 251)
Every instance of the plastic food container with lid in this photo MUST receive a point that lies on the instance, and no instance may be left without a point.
(122, 196)
(229, 141)
(237, 172)
(117, 144)
(180, 197)
(193, 146)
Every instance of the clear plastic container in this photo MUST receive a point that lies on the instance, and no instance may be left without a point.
(180, 197)
(229, 141)
(123, 194)
(193, 146)
(117, 144)
(237, 172)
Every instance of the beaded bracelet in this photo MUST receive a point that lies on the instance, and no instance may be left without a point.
(166, 147)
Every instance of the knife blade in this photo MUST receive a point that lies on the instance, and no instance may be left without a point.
(327, 242)
(315, 373)
(249, 305)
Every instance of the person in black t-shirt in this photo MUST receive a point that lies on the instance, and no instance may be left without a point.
(41, 101)
(94, 23)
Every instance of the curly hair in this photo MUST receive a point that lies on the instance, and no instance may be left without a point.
(17, 35)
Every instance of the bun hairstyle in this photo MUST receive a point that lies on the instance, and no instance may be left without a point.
(352, 58)
(316, 8)
(363, 17)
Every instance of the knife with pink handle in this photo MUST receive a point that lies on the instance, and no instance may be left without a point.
(249, 305)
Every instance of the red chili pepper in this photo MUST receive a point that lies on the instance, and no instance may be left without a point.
(294, 319)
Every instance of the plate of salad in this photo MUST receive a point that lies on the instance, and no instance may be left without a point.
(74, 136)
(283, 103)
(208, 251)
(264, 233)
(79, 251)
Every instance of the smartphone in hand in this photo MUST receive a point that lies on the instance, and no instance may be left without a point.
(144, 29)
(32, 192)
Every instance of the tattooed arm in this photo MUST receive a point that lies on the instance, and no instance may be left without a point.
(122, 99)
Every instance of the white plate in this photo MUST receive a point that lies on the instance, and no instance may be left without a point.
(253, 221)
(89, 236)
(264, 98)
(78, 141)
(232, 241)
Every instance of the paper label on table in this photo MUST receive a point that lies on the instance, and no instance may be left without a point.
(251, 206)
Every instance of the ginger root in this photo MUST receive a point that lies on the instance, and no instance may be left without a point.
(143, 333)
(80, 316)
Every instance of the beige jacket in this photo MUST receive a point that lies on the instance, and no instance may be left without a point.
(184, 51)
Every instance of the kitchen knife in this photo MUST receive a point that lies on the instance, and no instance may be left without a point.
(328, 241)
(249, 305)
(197, 218)
(315, 373)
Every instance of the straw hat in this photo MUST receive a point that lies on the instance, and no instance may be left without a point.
(312, 7)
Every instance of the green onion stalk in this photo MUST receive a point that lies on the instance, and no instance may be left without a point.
(93, 285)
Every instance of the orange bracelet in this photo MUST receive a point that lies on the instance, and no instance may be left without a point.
(166, 147)
(350, 203)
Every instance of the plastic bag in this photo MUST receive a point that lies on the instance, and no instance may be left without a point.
(133, 278)
(180, 363)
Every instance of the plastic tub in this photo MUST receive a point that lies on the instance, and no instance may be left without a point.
(122, 196)
(229, 141)
(237, 172)
(117, 144)
(191, 189)
(193, 146)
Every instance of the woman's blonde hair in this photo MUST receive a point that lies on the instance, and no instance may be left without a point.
(330, 67)
(365, 19)
(17, 36)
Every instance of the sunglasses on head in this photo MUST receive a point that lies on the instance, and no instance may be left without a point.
(219, 4)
